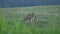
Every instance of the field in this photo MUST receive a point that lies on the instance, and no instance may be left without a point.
(48, 20)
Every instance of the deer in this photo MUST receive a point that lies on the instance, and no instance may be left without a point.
(29, 18)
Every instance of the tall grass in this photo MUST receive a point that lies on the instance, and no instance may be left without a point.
(48, 20)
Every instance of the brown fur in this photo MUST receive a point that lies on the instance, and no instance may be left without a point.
(29, 17)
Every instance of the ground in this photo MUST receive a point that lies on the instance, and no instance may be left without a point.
(48, 20)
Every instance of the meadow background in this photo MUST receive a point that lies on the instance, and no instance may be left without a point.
(48, 20)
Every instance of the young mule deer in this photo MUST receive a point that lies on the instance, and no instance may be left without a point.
(29, 18)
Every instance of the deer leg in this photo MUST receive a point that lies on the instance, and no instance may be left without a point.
(35, 20)
(29, 21)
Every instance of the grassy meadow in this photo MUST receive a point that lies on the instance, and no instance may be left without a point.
(48, 20)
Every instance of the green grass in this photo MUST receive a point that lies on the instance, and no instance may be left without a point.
(48, 20)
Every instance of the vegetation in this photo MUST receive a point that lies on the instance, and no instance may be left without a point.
(48, 20)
